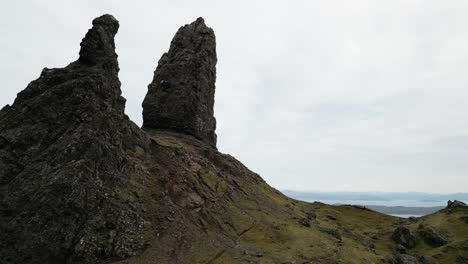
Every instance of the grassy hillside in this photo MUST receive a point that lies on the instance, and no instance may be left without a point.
(206, 207)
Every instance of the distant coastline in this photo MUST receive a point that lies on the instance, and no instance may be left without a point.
(405, 211)
(397, 204)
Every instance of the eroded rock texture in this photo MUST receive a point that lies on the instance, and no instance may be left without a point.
(81, 183)
(402, 235)
(181, 96)
(62, 155)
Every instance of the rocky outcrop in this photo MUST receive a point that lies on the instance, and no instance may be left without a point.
(98, 47)
(311, 215)
(62, 158)
(181, 96)
(456, 204)
(408, 259)
(333, 232)
(433, 237)
(404, 236)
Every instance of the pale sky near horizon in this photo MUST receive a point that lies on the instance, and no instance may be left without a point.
(365, 95)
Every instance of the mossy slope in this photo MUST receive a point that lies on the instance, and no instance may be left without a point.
(206, 207)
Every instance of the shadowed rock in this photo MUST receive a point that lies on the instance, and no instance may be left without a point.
(181, 96)
(408, 259)
(333, 232)
(62, 152)
(456, 204)
(404, 236)
(98, 45)
(433, 237)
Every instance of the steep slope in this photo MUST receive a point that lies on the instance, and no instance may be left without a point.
(81, 183)
(63, 146)
(224, 213)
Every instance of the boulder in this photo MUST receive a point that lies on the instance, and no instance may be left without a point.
(433, 237)
(333, 232)
(331, 217)
(401, 249)
(305, 222)
(404, 236)
(311, 215)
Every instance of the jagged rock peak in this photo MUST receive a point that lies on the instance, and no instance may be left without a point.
(98, 45)
(64, 145)
(181, 96)
(96, 69)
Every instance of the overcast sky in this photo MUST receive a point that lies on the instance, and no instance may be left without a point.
(312, 95)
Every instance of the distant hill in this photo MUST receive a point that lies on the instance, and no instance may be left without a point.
(408, 210)
(376, 196)
(382, 202)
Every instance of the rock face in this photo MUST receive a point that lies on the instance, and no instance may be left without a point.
(181, 96)
(62, 152)
(404, 236)
(433, 237)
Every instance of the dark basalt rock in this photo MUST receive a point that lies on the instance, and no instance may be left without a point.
(461, 260)
(98, 46)
(404, 236)
(331, 217)
(408, 259)
(311, 215)
(456, 204)
(464, 219)
(333, 232)
(181, 96)
(401, 249)
(62, 153)
(433, 237)
(305, 222)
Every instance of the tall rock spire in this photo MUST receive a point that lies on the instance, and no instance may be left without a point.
(63, 145)
(181, 95)
(98, 45)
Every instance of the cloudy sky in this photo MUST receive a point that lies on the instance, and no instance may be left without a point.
(313, 95)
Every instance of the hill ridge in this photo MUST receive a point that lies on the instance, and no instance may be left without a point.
(81, 183)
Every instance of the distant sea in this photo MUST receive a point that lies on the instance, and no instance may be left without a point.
(406, 215)
(406, 203)
(397, 204)
(391, 203)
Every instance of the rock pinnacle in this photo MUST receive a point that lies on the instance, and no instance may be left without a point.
(98, 45)
(181, 96)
